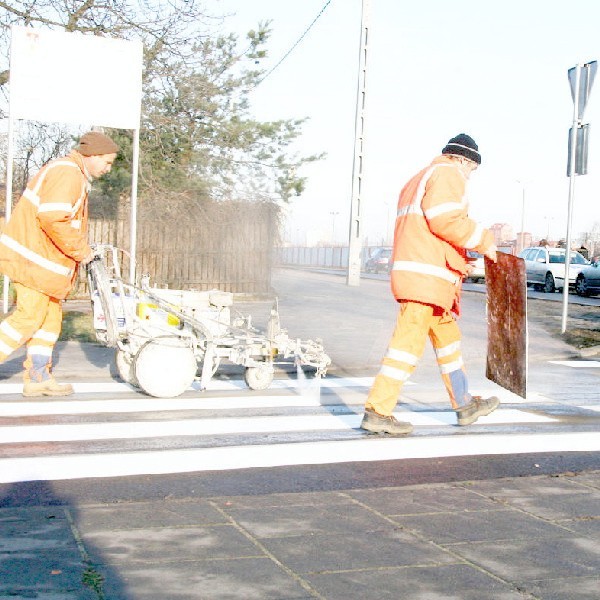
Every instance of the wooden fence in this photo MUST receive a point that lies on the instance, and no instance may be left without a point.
(231, 251)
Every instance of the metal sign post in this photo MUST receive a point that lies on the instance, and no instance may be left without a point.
(581, 78)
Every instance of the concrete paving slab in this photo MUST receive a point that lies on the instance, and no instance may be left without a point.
(412, 501)
(591, 479)
(241, 579)
(448, 582)
(167, 544)
(526, 560)
(365, 550)
(39, 557)
(564, 588)
(231, 503)
(33, 574)
(139, 515)
(290, 521)
(555, 499)
(578, 505)
(33, 529)
(479, 526)
(507, 489)
(589, 527)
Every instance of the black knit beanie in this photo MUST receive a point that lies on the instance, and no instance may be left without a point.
(463, 145)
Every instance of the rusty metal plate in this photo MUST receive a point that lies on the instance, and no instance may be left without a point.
(507, 323)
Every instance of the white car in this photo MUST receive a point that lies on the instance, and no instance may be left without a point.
(476, 267)
(545, 267)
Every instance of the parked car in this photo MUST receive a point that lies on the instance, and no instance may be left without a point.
(545, 267)
(380, 261)
(477, 267)
(588, 280)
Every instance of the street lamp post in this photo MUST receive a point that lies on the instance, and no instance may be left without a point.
(522, 184)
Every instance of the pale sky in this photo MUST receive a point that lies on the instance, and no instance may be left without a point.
(497, 71)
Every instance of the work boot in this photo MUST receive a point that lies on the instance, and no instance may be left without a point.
(48, 387)
(478, 407)
(376, 423)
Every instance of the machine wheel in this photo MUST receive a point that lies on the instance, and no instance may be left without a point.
(549, 286)
(259, 378)
(581, 286)
(165, 367)
(124, 364)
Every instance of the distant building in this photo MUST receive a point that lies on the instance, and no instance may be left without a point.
(523, 240)
(503, 232)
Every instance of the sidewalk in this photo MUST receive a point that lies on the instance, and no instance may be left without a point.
(534, 536)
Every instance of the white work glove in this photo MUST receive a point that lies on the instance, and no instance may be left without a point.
(492, 253)
(94, 253)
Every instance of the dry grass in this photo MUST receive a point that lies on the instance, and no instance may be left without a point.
(583, 322)
(77, 326)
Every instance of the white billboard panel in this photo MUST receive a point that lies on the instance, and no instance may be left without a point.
(75, 78)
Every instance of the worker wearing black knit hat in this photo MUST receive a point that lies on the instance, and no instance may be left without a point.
(463, 145)
(432, 235)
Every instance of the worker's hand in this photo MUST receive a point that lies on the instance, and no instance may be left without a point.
(90, 257)
(491, 253)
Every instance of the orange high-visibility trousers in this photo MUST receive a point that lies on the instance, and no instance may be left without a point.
(36, 321)
(414, 324)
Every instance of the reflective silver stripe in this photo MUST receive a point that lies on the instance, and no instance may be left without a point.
(46, 336)
(447, 350)
(6, 349)
(415, 205)
(85, 188)
(451, 367)
(402, 356)
(35, 258)
(442, 209)
(410, 209)
(425, 269)
(44, 172)
(31, 196)
(397, 374)
(421, 189)
(10, 331)
(76, 224)
(476, 238)
(39, 350)
(55, 206)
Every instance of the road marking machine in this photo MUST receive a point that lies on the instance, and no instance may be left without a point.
(166, 339)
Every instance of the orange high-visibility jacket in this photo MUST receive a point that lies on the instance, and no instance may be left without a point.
(433, 232)
(46, 235)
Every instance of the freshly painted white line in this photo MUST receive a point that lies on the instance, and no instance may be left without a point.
(214, 385)
(201, 427)
(148, 404)
(50, 468)
(578, 364)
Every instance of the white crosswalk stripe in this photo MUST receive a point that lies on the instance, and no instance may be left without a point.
(128, 433)
(578, 364)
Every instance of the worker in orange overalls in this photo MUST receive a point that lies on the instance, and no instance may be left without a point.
(432, 233)
(40, 249)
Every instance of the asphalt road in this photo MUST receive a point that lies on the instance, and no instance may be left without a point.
(563, 406)
(573, 298)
